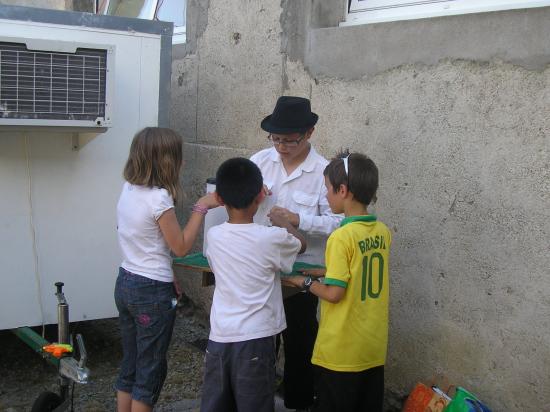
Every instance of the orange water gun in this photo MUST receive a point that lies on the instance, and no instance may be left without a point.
(58, 349)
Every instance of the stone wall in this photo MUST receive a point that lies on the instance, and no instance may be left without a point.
(460, 135)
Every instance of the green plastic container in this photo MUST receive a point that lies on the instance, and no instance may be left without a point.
(459, 403)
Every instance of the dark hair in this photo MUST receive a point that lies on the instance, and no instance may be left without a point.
(362, 177)
(155, 160)
(238, 182)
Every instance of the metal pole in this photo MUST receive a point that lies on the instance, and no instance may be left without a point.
(63, 323)
(62, 333)
(62, 315)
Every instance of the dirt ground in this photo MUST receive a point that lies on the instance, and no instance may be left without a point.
(24, 374)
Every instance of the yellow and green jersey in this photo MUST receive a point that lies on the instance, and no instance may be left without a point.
(353, 333)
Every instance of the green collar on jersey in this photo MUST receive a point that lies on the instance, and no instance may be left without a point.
(363, 218)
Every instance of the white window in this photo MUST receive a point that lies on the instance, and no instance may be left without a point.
(174, 11)
(166, 10)
(375, 11)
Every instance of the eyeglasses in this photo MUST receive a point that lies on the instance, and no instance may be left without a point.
(346, 167)
(288, 143)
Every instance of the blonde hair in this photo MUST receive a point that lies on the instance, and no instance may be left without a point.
(155, 160)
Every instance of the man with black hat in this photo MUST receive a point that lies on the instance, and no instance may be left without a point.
(293, 173)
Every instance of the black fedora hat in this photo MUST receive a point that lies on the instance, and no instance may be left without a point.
(291, 115)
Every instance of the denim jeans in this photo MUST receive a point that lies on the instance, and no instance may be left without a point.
(146, 316)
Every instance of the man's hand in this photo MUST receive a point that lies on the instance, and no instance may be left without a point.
(281, 212)
(293, 281)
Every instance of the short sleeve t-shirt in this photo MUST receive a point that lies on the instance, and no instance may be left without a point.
(144, 250)
(246, 260)
(353, 333)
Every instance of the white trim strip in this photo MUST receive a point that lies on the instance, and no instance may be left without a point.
(447, 8)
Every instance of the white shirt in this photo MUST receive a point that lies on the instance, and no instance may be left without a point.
(302, 192)
(143, 247)
(246, 260)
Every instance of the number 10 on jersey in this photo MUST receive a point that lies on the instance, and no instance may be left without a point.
(372, 277)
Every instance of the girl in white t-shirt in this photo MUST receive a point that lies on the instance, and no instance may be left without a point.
(145, 291)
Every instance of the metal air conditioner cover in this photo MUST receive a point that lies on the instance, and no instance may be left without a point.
(45, 83)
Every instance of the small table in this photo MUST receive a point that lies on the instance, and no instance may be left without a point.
(197, 261)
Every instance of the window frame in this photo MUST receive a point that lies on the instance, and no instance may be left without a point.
(387, 10)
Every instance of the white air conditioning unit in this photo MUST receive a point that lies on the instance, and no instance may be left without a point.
(55, 83)
(74, 90)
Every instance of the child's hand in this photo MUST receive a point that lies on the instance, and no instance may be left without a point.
(209, 201)
(293, 281)
(277, 212)
(317, 273)
(279, 220)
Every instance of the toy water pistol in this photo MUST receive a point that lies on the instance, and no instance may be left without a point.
(58, 349)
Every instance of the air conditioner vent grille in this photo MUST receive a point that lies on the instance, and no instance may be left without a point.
(51, 85)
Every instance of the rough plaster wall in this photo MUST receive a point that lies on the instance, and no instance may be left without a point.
(462, 148)
(463, 154)
(221, 89)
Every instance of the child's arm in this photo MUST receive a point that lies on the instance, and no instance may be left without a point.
(330, 293)
(178, 240)
(285, 224)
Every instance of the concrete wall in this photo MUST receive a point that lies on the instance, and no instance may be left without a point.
(454, 111)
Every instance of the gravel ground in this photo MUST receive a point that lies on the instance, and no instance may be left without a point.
(24, 375)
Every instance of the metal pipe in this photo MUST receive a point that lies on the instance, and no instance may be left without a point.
(63, 323)
(62, 315)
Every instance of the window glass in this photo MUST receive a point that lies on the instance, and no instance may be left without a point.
(172, 10)
(166, 10)
(143, 9)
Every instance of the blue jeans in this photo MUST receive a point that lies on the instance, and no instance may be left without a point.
(239, 376)
(146, 317)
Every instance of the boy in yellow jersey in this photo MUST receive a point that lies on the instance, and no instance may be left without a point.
(351, 345)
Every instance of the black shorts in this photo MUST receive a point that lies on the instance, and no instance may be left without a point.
(349, 391)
